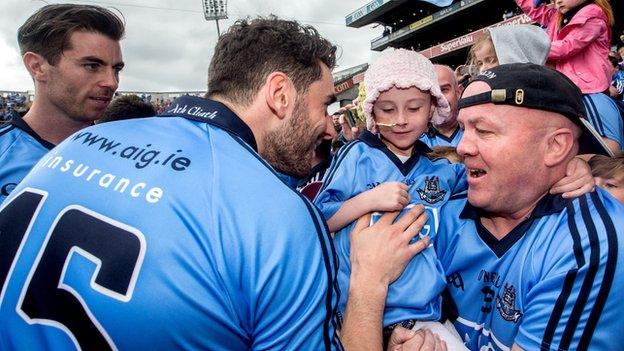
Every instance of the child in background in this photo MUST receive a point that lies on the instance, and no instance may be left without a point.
(509, 44)
(386, 169)
(609, 174)
(527, 43)
(580, 32)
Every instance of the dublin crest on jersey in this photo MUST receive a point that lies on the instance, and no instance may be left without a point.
(431, 192)
(506, 305)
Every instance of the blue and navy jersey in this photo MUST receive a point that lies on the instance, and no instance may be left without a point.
(604, 115)
(164, 233)
(20, 149)
(555, 282)
(360, 166)
(434, 138)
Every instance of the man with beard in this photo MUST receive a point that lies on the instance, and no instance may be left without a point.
(73, 55)
(179, 231)
(181, 224)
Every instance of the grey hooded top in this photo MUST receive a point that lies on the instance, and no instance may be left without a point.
(521, 43)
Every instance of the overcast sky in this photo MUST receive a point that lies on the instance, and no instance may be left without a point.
(168, 43)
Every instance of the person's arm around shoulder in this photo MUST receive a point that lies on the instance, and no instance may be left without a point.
(577, 181)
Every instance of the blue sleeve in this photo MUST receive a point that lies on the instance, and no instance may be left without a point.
(338, 181)
(576, 302)
(294, 297)
(449, 228)
(604, 116)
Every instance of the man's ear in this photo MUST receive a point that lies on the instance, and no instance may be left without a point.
(280, 94)
(36, 65)
(560, 144)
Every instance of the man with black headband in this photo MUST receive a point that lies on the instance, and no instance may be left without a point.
(526, 269)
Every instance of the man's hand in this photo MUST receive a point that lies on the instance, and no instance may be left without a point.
(578, 180)
(379, 253)
(408, 340)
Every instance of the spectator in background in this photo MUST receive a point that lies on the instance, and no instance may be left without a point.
(127, 107)
(448, 133)
(310, 185)
(529, 44)
(580, 31)
(616, 90)
(73, 55)
(13, 105)
(609, 174)
(510, 44)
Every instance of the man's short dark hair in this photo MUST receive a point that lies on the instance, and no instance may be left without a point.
(47, 32)
(252, 49)
(127, 107)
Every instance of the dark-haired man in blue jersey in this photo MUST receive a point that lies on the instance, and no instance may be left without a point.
(178, 232)
(183, 231)
(73, 55)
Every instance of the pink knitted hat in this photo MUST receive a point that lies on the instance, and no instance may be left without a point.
(402, 69)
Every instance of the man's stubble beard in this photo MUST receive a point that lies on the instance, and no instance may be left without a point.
(289, 149)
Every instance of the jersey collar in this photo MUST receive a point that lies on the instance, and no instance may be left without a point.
(17, 121)
(213, 113)
(432, 132)
(419, 149)
(548, 205)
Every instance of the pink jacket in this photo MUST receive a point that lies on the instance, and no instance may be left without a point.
(581, 49)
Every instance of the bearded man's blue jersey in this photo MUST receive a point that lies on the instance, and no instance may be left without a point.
(164, 233)
(20, 149)
(366, 163)
(555, 282)
(434, 138)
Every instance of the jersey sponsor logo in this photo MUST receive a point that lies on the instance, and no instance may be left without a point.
(101, 178)
(506, 305)
(144, 156)
(431, 193)
(7, 188)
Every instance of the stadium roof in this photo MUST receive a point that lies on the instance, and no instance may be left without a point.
(388, 12)
(458, 19)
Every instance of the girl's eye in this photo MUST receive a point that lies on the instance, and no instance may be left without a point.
(610, 186)
(413, 109)
(387, 110)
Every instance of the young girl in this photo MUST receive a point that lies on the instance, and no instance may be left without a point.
(580, 31)
(388, 169)
(509, 44)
